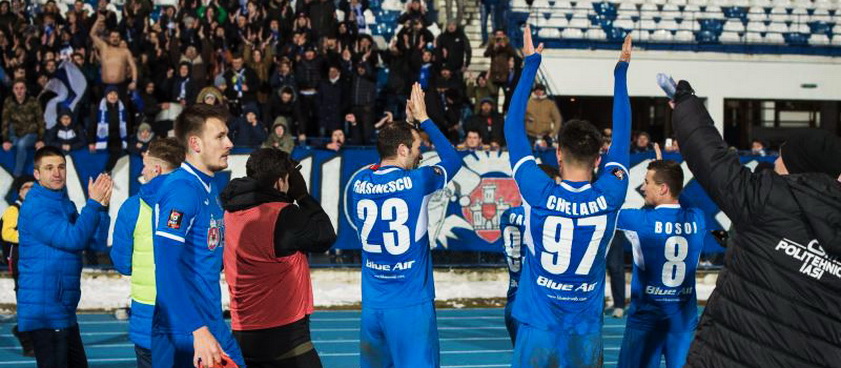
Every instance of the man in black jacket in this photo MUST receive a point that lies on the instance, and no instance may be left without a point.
(488, 123)
(776, 302)
(454, 49)
(268, 239)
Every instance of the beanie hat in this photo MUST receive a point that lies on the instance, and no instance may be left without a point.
(812, 151)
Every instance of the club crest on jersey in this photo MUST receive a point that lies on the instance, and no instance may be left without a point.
(618, 173)
(174, 220)
(483, 207)
(214, 234)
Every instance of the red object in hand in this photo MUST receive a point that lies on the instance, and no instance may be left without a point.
(227, 362)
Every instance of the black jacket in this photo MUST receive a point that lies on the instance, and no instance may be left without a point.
(251, 80)
(332, 104)
(302, 228)
(458, 49)
(490, 132)
(772, 305)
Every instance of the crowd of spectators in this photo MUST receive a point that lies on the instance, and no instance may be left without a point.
(302, 72)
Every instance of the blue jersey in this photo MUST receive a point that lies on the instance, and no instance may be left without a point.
(189, 237)
(568, 225)
(667, 243)
(388, 207)
(512, 226)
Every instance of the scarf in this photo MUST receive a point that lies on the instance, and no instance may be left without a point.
(102, 126)
(239, 79)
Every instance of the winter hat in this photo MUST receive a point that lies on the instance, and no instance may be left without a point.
(144, 127)
(110, 89)
(812, 151)
(63, 111)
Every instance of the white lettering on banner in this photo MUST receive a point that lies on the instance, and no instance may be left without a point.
(815, 261)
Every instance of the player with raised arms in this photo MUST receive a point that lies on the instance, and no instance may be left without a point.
(667, 241)
(560, 300)
(388, 206)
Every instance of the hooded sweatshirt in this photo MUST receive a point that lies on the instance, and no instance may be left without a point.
(282, 142)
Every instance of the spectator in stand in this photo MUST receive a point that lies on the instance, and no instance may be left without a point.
(511, 79)
(490, 9)
(52, 237)
(279, 137)
(248, 131)
(500, 51)
(363, 94)
(757, 148)
(10, 239)
(453, 48)
(283, 103)
(337, 140)
(415, 11)
(425, 69)
(184, 89)
(322, 15)
(67, 135)
(332, 101)
(479, 89)
(283, 77)
(399, 76)
(268, 240)
(454, 85)
(488, 123)
(543, 119)
(674, 147)
(642, 143)
(132, 251)
(259, 56)
(23, 124)
(139, 143)
(241, 85)
(472, 141)
(211, 96)
(308, 72)
(444, 110)
(109, 127)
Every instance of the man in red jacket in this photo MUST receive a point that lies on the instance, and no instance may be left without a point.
(267, 241)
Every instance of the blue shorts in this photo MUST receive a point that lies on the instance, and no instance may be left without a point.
(643, 348)
(542, 348)
(175, 350)
(400, 337)
(510, 322)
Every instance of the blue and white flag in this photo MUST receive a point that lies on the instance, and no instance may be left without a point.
(69, 84)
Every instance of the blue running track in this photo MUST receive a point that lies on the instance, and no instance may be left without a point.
(470, 338)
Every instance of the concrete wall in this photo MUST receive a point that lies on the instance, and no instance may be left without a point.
(714, 76)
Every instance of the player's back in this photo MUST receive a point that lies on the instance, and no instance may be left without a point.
(388, 207)
(512, 226)
(568, 228)
(667, 242)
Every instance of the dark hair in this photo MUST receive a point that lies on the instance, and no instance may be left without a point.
(47, 151)
(267, 165)
(668, 172)
(193, 118)
(392, 136)
(168, 150)
(580, 142)
(551, 171)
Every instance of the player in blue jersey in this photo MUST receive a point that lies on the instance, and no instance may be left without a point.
(512, 226)
(388, 205)
(187, 325)
(667, 242)
(569, 226)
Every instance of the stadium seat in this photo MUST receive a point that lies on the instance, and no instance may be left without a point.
(753, 37)
(572, 33)
(579, 23)
(734, 25)
(550, 33)
(596, 34)
(684, 36)
(778, 27)
(800, 28)
(836, 41)
(819, 40)
(558, 21)
(662, 35)
(775, 38)
(623, 23)
(668, 25)
(730, 37)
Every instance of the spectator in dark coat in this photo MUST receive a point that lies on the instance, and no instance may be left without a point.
(248, 131)
(184, 88)
(488, 123)
(309, 72)
(67, 135)
(322, 18)
(454, 50)
(139, 142)
(241, 84)
(332, 103)
(283, 76)
(500, 51)
(283, 103)
(363, 93)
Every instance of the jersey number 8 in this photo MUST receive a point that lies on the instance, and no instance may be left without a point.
(396, 212)
(674, 270)
(557, 243)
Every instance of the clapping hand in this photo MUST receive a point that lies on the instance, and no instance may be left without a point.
(100, 190)
(626, 49)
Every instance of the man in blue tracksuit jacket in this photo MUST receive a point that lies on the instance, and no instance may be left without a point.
(52, 238)
(131, 249)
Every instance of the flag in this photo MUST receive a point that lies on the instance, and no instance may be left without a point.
(69, 84)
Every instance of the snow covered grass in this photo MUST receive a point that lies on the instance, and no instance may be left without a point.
(332, 288)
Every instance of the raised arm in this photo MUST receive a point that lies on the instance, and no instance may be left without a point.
(98, 43)
(515, 129)
(620, 149)
(450, 159)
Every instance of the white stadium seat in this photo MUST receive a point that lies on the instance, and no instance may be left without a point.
(754, 38)
(684, 36)
(776, 38)
(819, 39)
(777, 27)
(624, 23)
(558, 21)
(573, 33)
(596, 34)
(668, 25)
(549, 33)
(757, 27)
(801, 28)
(579, 22)
(730, 37)
(734, 25)
(836, 41)
(662, 35)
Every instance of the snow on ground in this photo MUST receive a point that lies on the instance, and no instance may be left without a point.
(331, 287)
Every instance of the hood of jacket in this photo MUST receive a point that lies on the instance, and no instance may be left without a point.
(244, 193)
(149, 190)
(819, 198)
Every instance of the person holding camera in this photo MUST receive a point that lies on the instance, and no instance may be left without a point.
(268, 241)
